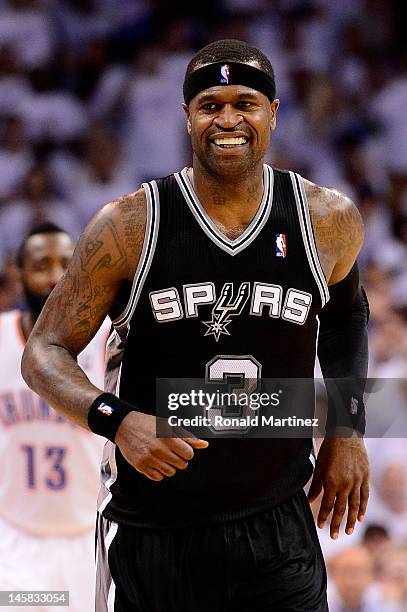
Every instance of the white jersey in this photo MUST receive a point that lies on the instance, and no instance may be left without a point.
(50, 466)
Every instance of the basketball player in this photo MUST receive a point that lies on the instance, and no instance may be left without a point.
(48, 487)
(185, 525)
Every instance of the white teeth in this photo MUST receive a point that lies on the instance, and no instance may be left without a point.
(231, 141)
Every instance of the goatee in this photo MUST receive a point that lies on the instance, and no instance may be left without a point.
(35, 302)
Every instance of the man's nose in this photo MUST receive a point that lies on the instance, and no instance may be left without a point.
(228, 117)
(54, 275)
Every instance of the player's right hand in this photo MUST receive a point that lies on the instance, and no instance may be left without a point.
(154, 457)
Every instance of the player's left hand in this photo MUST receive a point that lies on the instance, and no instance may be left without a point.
(342, 471)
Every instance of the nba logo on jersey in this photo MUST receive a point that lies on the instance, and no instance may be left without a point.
(281, 245)
(224, 74)
(108, 410)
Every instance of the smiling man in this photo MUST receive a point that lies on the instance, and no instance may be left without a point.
(218, 271)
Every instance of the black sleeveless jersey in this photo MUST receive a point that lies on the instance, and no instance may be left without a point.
(176, 325)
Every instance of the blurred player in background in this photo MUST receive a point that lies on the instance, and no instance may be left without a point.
(49, 480)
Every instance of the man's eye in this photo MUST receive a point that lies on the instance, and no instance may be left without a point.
(209, 106)
(243, 104)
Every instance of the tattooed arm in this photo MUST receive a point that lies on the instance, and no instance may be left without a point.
(106, 255)
(338, 230)
(342, 469)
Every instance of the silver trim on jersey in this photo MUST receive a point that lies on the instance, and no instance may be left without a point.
(308, 236)
(108, 467)
(232, 247)
(312, 237)
(115, 347)
(314, 452)
(147, 253)
(108, 475)
(106, 531)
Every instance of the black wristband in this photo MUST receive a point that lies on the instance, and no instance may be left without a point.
(106, 413)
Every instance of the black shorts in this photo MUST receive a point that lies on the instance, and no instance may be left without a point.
(266, 562)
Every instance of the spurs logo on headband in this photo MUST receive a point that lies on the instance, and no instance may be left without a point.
(224, 74)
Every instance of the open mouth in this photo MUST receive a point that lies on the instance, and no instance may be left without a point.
(230, 142)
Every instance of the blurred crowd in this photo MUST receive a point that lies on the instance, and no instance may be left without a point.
(90, 106)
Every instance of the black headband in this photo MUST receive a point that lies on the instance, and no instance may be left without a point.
(228, 73)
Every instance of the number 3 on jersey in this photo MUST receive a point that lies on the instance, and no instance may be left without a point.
(55, 477)
(241, 374)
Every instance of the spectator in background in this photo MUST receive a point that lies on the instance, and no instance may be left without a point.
(378, 231)
(154, 120)
(102, 177)
(399, 290)
(388, 346)
(80, 21)
(16, 158)
(389, 496)
(389, 106)
(50, 113)
(14, 86)
(25, 25)
(375, 539)
(352, 584)
(392, 574)
(38, 203)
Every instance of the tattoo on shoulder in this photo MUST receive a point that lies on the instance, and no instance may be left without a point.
(95, 255)
(337, 225)
(132, 219)
(109, 248)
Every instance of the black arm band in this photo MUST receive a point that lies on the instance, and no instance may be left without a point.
(343, 353)
(106, 413)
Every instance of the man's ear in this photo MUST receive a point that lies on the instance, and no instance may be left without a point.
(186, 110)
(273, 115)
